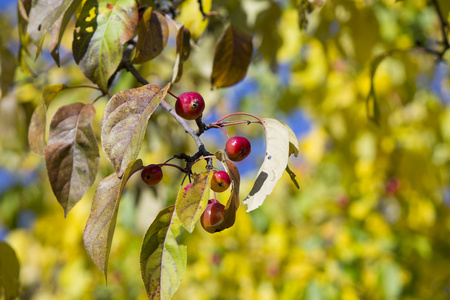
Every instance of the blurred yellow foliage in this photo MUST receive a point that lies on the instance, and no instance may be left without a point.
(371, 219)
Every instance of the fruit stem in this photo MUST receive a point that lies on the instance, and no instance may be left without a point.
(95, 100)
(208, 157)
(169, 160)
(220, 127)
(172, 165)
(241, 114)
(231, 123)
(170, 93)
(184, 178)
(84, 86)
(135, 171)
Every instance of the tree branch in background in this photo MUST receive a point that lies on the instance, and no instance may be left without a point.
(443, 27)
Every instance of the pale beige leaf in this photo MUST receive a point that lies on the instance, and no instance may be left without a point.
(278, 143)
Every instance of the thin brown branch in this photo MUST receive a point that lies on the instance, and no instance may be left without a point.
(200, 7)
(443, 26)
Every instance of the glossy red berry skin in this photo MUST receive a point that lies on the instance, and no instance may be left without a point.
(220, 181)
(152, 174)
(237, 148)
(212, 215)
(189, 105)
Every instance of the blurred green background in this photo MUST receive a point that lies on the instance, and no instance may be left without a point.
(371, 219)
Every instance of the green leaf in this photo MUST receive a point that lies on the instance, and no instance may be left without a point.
(231, 58)
(99, 230)
(58, 29)
(43, 15)
(100, 35)
(71, 155)
(229, 215)
(163, 260)
(7, 70)
(125, 122)
(9, 271)
(278, 144)
(183, 51)
(190, 204)
(36, 130)
(153, 32)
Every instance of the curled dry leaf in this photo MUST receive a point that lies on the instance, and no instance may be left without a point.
(183, 51)
(163, 260)
(36, 130)
(43, 14)
(58, 28)
(99, 230)
(231, 58)
(190, 204)
(280, 143)
(153, 32)
(100, 35)
(125, 122)
(71, 155)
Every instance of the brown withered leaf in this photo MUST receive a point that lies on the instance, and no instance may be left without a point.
(36, 130)
(153, 32)
(43, 15)
(100, 226)
(183, 51)
(125, 121)
(231, 58)
(71, 154)
(190, 204)
(229, 215)
(58, 28)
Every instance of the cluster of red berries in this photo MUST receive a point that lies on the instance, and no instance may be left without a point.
(190, 106)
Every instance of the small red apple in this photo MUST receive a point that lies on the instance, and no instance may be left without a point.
(237, 148)
(189, 105)
(152, 174)
(220, 181)
(213, 214)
